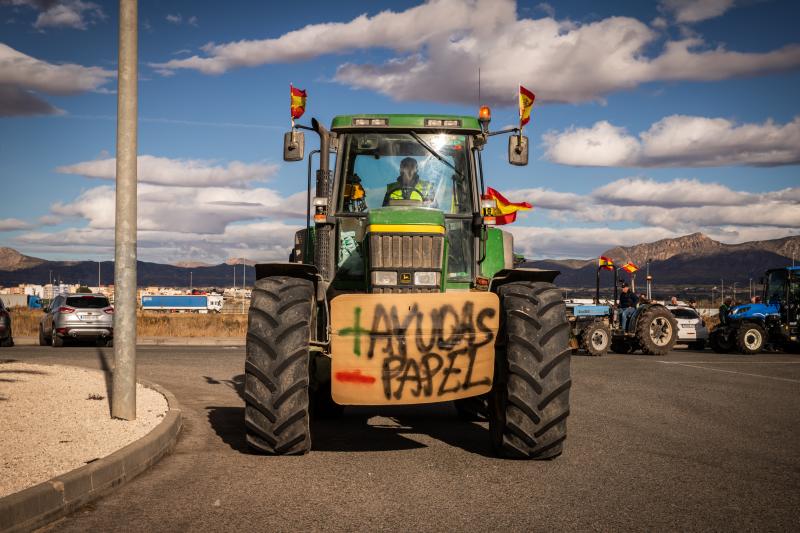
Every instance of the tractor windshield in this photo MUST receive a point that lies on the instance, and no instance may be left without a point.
(776, 286)
(406, 169)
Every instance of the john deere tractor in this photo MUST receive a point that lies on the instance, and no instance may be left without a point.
(749, 328)
(400, 291)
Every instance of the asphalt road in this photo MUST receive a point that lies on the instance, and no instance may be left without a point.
(690, 441)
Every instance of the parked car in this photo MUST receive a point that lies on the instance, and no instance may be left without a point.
(77, 316)
(6, 337)
(691, 326)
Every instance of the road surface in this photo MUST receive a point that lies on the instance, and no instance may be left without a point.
(688, 441)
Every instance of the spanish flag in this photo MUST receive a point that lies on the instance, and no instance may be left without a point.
(506, 211)
(629, 267)
(526, 99)
(605, 262)
(298, 102)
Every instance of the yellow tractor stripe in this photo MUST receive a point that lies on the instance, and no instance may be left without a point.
(404, 228)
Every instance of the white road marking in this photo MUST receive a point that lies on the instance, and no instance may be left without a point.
(729, 371)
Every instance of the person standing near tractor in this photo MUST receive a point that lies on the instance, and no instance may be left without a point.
(724, 309)
(627, 304)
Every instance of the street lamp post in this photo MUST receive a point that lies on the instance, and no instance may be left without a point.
(123, 400)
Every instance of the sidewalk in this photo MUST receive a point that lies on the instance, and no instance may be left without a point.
(61, 448)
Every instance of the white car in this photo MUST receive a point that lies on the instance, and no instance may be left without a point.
(691, 326)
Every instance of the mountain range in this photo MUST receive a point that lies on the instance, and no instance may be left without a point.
(692, 259)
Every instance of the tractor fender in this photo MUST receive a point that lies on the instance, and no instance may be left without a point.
(294, 270)
(509, 275)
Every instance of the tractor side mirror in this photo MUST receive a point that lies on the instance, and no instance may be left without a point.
(518, 150)
(294, 143)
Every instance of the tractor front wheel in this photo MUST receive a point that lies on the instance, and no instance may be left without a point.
(277, 366)
(596, 339)
(529, 401)
(750, 339)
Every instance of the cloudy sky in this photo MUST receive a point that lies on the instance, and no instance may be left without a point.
(652, 119)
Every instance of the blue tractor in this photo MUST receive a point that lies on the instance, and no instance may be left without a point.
(749, 328)
(596, 328)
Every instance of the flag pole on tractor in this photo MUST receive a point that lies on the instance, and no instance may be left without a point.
(526, 98)
(631, 269)
(603, 263)
(297, 103)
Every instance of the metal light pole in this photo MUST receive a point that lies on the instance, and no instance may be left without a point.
(123, 401)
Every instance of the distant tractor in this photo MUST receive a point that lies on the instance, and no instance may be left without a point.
(652, 328)
(749, 328)
(402, 292)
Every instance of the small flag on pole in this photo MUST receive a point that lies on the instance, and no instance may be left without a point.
(605, 263)
(506, 211)
(297, 103)
(629, 267)
(526, 99)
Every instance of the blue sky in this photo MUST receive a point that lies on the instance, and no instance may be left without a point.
(653, 119)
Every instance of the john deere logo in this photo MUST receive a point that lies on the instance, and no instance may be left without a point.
(405, 277)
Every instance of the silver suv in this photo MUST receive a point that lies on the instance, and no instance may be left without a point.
(77, 316)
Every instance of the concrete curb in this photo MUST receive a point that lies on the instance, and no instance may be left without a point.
(160, 341)
(38, 505)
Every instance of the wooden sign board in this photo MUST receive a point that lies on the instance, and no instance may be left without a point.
(412, 348)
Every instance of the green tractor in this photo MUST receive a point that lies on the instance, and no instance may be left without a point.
(400, 291)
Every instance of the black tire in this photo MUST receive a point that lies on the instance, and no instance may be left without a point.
(596, 339)
(750, 339)
(697, 345)
(56, 341)
(43, 341)
(529, 401)
(621, 347)
(8, 342)
(474, 409)
(276, 386)
(719, 342)
(656, 331)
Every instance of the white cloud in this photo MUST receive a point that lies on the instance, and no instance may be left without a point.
(675, 193)
(182, 209)
(678, 140)
(22, 76)
(547, 199)
(174, 19)
(75, 14)
(564, 61)
(688, 11)
(179, 172)
(13, 224)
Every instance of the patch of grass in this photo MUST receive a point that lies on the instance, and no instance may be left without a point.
(25, 323)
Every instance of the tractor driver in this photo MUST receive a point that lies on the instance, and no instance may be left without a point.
(408, 185)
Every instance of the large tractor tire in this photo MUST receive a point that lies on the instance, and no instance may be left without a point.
(750, 339)
(596, 339)
(277, 366)
(529, 401)
(656, 331)
(720, 342)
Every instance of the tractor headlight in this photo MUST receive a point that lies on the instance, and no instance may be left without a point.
(426, 278)
(382, 277)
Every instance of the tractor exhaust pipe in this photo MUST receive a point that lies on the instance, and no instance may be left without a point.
(324, 229)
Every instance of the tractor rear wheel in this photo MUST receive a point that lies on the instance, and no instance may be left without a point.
(596, 338)
(657, 331)
(529, 401)
(750, 339)
(277, 366)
